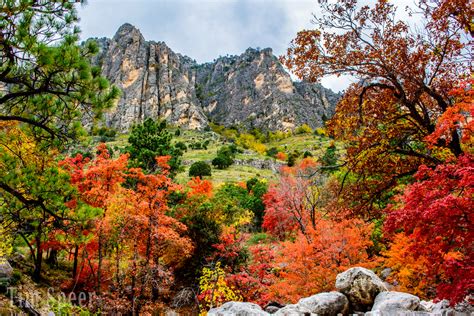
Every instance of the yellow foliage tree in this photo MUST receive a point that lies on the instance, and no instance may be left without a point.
(6, 241)
(214, 290)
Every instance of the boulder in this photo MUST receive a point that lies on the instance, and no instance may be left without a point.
(272, 309)
(326, 304)
(361, 286)
(399, 312)
(293, 310)
(391, 301)
(426, 306)
(440, 308)
(237, 309)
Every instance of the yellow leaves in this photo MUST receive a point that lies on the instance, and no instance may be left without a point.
(214, 290)
(16, 144)
(6, 241)
(249, 141)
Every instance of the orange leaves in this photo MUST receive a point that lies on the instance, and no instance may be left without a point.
(457, 117)
(200, 187)
(135, 234)
(310, 263)
(281, 156)
(409, 271)
(404, 79)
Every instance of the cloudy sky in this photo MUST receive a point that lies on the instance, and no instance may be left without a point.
(206, 29)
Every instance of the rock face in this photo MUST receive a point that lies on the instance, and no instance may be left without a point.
(326, 304)
(155, 81)
(237, 309)
(361, 286)
(253, 90)
(395, 301)
(250, 90)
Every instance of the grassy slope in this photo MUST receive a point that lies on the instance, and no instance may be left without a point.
(306, 142)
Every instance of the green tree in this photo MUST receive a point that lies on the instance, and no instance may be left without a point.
(149, 140)
(200, 169)
(225, 156)
(330, 156)
(50, 82)
(47, 84)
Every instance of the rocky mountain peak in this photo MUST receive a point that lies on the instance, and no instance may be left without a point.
(249, 90)
(127, 29)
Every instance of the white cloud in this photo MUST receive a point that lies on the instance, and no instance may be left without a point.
(206, 29)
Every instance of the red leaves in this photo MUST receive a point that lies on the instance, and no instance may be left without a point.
(457, 118)
(437, 212)
(278, 220)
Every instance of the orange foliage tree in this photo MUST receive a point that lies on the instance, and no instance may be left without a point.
(134, 237)
(310, 264)
(404, 82)
(410, 272)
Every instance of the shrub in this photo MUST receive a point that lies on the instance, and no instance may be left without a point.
(222, 162)
(303, 129)
(200, 169)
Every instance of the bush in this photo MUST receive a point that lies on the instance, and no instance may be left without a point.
(200, 169)
(180, 145)
(222, 161)
(272, 152)
(303, 129)
(225, 156)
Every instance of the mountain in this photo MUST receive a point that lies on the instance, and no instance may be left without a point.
(250, 90)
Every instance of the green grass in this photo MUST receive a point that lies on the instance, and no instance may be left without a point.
(232, 174)
(305, 142)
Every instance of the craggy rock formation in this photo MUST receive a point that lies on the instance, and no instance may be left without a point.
(253, 90)
(155, 81)
(353, 284)
(250, 90)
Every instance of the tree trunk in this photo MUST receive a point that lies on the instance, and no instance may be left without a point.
(39, 257)
(74, 265)
(53, 257)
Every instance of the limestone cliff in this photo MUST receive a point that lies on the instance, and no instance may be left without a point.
(253, 90)
(250, 90)
(155, 81)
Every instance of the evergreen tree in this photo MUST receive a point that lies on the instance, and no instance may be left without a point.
(150, 140)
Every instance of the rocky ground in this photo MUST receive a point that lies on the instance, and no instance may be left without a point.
(359, 292)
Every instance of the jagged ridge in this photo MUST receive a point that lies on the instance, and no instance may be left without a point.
(250, 90)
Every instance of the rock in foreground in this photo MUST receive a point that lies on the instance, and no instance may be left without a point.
(237, 309)
(361, 286)
(396, 301)
(326, 304)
